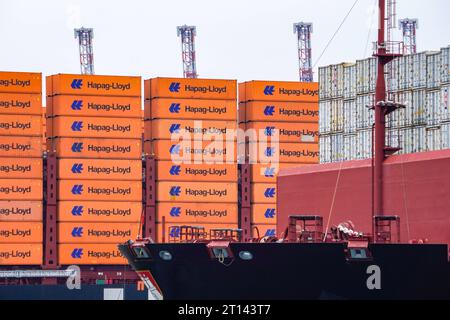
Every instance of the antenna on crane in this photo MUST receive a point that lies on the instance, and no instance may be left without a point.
(188, 34)
(85, 36)
(409, 27)
(304, 31)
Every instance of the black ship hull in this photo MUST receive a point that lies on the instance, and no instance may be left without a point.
(295, 271)
(61, 292)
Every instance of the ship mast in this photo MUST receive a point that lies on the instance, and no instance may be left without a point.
(385, 52)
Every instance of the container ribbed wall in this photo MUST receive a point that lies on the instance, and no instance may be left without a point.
(419, 81)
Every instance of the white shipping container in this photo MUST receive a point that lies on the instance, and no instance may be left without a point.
(350, 147)
(419, 107)
(392, 74)
(373, 71)
(445, 135)
(434, 139)
(364, 144)
(404, 72)
(445, 65)
(350, 81)
(444, 109)
(433, 70)
(337, 115)
(362, 76)
(337, 147)
(325, 149)
(325, 116)
(404, 115)
(364, 115)
(419, 70)
(413, 139)
(350, 116)
(324, 82)
(433, 106)
(337, 81)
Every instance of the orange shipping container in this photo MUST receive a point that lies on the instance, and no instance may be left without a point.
(82, 254)
(168, 171)
(186, 151)
(197, 192)
(76, 84)
(94, 106)
(21, 189)
(264, 230)
(201, 109)
(93, 190)
(99, 211)
(190, 88)
(96, 148)
(174, 234)
(92, 127)
(284, 131)
(76, 232)
(21, 232)
(197, 212)
(264, 193)
(23, 104)
(20, 210)
(30, 147)
(305, 153)
(279, 91)
(195, 129)
(20, 254)
(20, 82)
(21, 168)
(264, 213)
(99, 169)
(267, 173)
(18, 125)
(278, 111)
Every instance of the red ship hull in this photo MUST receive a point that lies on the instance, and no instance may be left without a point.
(416, 188)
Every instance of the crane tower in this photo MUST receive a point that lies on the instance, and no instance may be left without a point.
(187, 34)
(304, 31)
(409, 27)
(85, 36)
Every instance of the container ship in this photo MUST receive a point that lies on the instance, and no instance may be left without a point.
(315, 256)
(98, 201)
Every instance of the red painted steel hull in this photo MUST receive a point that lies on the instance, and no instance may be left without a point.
(416, 187)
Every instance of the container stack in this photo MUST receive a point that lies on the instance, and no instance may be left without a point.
(338, 95)
(94, 127)
(190, 129)
(419, 81)
(21, 170)
(280, 120)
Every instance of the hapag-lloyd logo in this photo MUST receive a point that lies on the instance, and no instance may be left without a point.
(78, 84)
(15, 83)
(176, 86)
(270, 90)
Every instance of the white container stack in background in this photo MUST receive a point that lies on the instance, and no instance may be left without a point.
(419, 81)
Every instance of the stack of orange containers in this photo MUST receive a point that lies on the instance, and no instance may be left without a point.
(94, 126)
(21, 174)
(285, 117)
(188, 193)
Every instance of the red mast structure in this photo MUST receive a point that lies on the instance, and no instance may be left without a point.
(386, 51)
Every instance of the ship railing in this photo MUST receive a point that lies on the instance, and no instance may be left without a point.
(394, 48)
(305, 229)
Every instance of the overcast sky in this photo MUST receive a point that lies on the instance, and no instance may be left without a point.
(236, 39)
